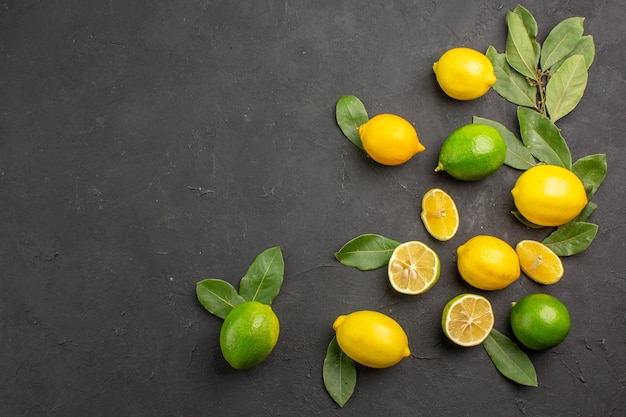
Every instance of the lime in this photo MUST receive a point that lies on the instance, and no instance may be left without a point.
(549, 195)
(472, 152)
(439, 214)
(540, 321)
(413, 268)
(249, 334)
(389, 139)
(539, 262)
(467, 319)
(371, 338)
(464, 74)
(488, 263)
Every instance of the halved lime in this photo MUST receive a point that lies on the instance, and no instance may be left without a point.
(467, 319)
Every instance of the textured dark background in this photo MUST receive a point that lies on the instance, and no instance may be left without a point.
(146, 145)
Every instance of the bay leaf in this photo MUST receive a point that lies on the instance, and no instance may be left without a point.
(517, 155)
(591, 170)
(561, 40)
(217, 296)
(339, 373)
(509, 359)
(367, 252)
(585, 47)
(565, 88)
(510, 84)
(543, 139)
(521, 50)
(571, 238)
(264, 277)
(528, 19)
(350, 113)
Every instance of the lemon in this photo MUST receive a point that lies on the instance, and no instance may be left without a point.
(539, 262)
(389, 139)
(488, 263)
(439, 214)
(467, 319)
(549, 195)
(413, 268)
(464, 74)
(472, 152)
(371, 338)
(249, 334)
(540, 321)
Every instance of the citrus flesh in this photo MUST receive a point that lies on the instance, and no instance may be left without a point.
(389, 139)
(467, 319)
(472, 152)
(540, 321)
(371, 338)
(488, 263)
(248, 334)
(549, 195)
(464, 73)
(413, 268)
(539, 262)
(439, 214)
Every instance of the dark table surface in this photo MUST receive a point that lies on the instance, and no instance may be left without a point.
(146, 145)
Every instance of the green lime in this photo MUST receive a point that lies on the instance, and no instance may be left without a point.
(540, 321)
(249, 334)
(472, 152)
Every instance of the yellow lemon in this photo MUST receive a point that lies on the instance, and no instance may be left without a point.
(488, 263)
(549, 195)
(439, 214)
(389, 139)
(464, 74)
(467, 319)
(413, 268)
(539, 262)
(371, 338)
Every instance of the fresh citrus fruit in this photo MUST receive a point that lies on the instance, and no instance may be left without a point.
(549, 195)
(472, 152)
(464, 74)
(539, 262)
(540, 321)
(249, 334)
(439, 214)
(371, 338)
(488, 263)
(467, 319)
(389, 139)
(413, 268)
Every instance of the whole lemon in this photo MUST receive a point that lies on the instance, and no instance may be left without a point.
(371, 338)
(488, 263)
(249, 334)
(389, 139)
(472, 152)
(540, 321)
(549, 195)
(464, 74)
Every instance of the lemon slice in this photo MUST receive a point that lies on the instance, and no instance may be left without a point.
(439, 214)
(467, 319)
(413, 268)
(539, 262)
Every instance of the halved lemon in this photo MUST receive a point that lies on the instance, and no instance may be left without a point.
(413, 268)
(439, 214)
(467, 319)
(539, 262)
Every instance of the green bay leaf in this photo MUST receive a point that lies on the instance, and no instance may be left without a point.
(509, 359)
(571, 238)
(528, 19)
(561, 40)
(541, 136)
(585, 47)
(350, 113)
(522, 52)
(264, 277)
(565, 88)
(591, 170)
(367, 252)
(517, 155)
(217, 296)
(339, 373)
(510, 84)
